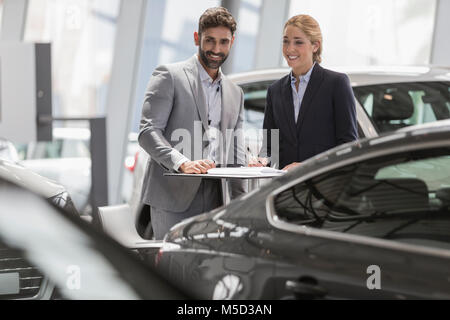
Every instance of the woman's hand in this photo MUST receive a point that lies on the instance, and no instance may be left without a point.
(292, 166)
(258, 162)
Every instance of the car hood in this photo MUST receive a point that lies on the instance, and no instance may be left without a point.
(29, 180)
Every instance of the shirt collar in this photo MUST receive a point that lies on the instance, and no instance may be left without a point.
(304, 78)
(204, 76)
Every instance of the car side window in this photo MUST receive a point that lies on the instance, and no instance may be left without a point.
(403, 198)
(397, 105)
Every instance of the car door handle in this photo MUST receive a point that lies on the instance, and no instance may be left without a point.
(306, 288)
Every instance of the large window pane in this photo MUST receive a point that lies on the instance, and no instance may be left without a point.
(1, 14)
(82, 34)
(180, 22)
(372, 32)
(247, 30)
(168, 37)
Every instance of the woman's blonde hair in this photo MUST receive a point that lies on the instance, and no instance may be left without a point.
(311, 29)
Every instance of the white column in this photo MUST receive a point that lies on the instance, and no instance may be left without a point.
(440, 50)
(13, 20)
(268, 48)
(121, 93)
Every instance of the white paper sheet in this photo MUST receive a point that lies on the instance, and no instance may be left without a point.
(246, 171)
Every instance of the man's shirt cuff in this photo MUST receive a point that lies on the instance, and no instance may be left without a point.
(179, 163)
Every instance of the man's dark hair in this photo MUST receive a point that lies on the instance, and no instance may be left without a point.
(216, 17)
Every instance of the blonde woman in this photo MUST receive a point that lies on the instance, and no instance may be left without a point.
(313, 108)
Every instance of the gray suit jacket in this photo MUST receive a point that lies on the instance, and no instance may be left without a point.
(175, 105)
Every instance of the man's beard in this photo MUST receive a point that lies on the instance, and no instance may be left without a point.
(212, 64)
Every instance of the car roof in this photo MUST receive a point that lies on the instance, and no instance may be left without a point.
(359, 76)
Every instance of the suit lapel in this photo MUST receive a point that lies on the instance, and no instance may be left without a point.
(192, 74)
(313, 86)
(288, 106)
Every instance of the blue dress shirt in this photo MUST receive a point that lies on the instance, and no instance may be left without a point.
(297, 96)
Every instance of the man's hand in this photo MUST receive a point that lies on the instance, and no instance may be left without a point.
(258, 162)
(292, 166)
(197, 167)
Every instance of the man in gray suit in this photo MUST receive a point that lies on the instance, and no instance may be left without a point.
(186, 105)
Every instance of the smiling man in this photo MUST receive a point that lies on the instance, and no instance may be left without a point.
(194, 102)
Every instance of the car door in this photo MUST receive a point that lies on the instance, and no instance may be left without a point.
(355, 269)
(378, 228)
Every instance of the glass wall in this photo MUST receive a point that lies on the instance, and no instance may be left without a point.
(82, 34)
(168, 37)
(1, 14)
(180, 22)
(246, 35)
(372, 32)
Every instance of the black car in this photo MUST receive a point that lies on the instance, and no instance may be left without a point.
(366, 220)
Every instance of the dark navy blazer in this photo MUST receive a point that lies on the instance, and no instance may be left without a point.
(327, 115)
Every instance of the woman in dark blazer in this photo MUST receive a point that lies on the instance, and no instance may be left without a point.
(313, 108)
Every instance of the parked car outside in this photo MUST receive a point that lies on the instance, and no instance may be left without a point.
(365, 220)
(48, 253)
(387, 99)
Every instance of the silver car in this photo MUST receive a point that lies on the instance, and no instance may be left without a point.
(65, 160)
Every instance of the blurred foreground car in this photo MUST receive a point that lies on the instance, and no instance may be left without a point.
(368, 210)
(47, 253)
(32, 284)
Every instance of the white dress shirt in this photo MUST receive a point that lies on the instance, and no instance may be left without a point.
(212, 91)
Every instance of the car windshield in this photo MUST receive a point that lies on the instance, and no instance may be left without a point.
(398, 105)
(404, 197)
